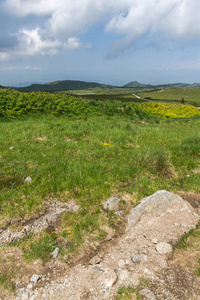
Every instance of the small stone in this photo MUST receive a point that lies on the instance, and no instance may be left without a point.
(95, 260)
(35, 278)
(135, 258)
(55, 253)
(155, 241)
(148, 294)
(24, 296)
(28, 179)
(124, 276)
(131, 237)
(144, 257)
(163, 248)
(111, 204)
(29, 286)
(121, 264)
(147, 272)
(109, 278)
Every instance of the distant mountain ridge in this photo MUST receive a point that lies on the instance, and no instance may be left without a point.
(63, 85)
(136, 84)
(66, 85)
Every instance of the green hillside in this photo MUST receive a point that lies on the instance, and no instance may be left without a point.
(136, 84)
(65, 85)
(189, 95)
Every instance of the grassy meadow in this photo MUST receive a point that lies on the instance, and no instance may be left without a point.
(88, 158)
(173, 95)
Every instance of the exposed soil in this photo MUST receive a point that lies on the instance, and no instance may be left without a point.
(142, 253)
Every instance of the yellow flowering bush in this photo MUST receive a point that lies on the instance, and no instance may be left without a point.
(166, 110)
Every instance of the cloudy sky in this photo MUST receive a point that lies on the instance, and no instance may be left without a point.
(108, 41)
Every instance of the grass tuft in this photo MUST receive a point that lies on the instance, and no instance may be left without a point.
(159, 162)
(6, 282)
(41, 248)
(127, 293)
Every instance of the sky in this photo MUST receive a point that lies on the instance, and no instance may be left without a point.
(106, 41)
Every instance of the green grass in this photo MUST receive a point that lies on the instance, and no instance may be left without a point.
(6, 282)
(173, 95)
(88, 159)
(127, 293)
(92, 158)
(190, 242)
(41, 248)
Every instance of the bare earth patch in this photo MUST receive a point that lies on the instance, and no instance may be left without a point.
(141, 253)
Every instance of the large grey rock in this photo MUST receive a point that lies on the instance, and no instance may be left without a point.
(111, 204)
(159, 200)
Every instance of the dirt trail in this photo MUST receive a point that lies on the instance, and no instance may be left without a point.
(142, 252)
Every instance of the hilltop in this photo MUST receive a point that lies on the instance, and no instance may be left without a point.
(64, 85)
(136, 84)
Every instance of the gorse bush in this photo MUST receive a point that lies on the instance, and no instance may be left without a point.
(165, 110)
(15, 104)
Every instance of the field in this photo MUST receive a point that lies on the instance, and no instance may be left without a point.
(173, 95)
(86, 158)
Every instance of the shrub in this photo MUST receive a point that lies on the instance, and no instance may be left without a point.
(166, 110)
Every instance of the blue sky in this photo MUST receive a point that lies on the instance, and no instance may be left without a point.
(113, 42)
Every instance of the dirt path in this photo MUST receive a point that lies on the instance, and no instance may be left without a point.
(141, 253)
(142, 98)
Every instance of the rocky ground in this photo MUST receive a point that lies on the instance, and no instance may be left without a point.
(144, 253)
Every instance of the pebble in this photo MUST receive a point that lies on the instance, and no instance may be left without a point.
(155, 241)
(55, 253)
(28, 179)
(148, 294)
(35, 278)
(29, 286)
(121, 264)
(95, 260)
(135, 258)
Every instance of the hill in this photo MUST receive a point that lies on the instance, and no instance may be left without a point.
(136, 84)
(65, 85)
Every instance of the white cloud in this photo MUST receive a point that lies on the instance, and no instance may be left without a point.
(21, 68)
(66, 20)
(74, 42)
(32, 43)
